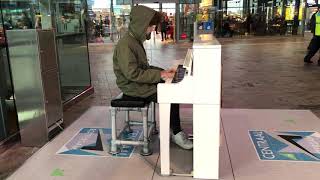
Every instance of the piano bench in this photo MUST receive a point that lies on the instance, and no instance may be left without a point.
(148, 122)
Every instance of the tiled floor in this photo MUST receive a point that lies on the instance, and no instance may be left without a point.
(113, 168)
(238, 157)
(258, 72)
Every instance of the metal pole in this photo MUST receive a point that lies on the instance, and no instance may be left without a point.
(113, 131)
(304, 18)
(3, 90)
(177, 17)
(112, 26)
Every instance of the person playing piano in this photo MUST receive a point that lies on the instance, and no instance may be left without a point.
(135, 77)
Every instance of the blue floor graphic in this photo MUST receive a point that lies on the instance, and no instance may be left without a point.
(96, 142)
(286, 145)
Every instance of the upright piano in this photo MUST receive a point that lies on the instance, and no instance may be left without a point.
(198, 83)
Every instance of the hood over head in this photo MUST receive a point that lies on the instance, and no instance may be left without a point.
(140, 17)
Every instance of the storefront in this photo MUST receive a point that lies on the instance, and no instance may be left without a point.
(67, 19)
(109, 20)
(265, 17)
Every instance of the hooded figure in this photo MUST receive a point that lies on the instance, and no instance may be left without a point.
(135, 77)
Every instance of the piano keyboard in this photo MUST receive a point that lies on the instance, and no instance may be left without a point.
(179, 75)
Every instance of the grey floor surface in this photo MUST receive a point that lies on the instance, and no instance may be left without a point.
(45, 161)
(258, 72)
(238, 159)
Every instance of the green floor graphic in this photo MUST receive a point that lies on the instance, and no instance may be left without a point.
(290, 156)
(57, 172)
(290, 121)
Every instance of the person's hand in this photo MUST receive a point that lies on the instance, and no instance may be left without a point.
(171, 70)
(166, 74)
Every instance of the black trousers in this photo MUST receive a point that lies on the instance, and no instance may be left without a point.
(163, 34)
(313, 48)
(174, 112)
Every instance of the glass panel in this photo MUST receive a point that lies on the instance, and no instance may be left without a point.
(169, 12)
(3, 87)
(69, 16)
(26, 14)
(259, 17)
(26, 76)
(168, 5)
(72, 47)
(102, 26)
(154, 6)
(187, 18)
(16, 15)
(8, 118)
(122, 19)
(43, 19)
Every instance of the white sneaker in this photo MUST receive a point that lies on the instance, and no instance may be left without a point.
(182, 140)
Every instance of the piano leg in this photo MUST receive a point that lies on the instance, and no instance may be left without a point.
(164, 118)
(206, 141)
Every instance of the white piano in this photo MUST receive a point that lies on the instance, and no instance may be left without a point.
(200, 86)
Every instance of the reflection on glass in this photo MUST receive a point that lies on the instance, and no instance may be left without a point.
(74, 66)
(72, 47)
(69, 16)
(8, 118)
(26, 14)
(107, 22)
(187, 18)
(259, 18)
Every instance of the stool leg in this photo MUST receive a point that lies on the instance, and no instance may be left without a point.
(146, 149)
(128, 122)
(113, 149)
(153, 118)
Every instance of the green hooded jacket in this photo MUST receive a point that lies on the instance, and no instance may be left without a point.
(135, 77)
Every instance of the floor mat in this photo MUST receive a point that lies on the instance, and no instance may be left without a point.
(96, 142)
(286, 145)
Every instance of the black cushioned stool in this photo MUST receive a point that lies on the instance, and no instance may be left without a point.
(120, 103)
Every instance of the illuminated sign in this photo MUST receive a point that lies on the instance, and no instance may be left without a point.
(311, 1)
(205, 3)
(289, 13)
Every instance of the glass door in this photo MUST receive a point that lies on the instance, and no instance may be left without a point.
(3, 114)
(187, 17)
(8, 115)
(169, 10)
(72, 46)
